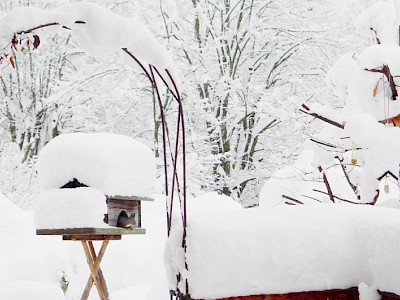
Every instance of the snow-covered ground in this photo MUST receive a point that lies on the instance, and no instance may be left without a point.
(258, 250)
(133, 266)
(34, 265)
(230, 251)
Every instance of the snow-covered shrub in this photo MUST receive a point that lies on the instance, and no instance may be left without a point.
(18, 180)
(354, 155)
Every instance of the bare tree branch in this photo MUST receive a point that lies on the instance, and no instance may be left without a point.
(305, 109)
(328, 186)
(342, 199)
(353, 187)
(386, 71)
(323, 143)
(291, 199)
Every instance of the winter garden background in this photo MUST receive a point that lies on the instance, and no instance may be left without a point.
(246, 68)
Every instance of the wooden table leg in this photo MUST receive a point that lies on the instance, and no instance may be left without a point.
(97, 261)
(96, 277)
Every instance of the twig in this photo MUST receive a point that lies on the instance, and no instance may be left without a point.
(305, 109)
(323, 143)
(386, 70)
(328, 186)
(47, 25)
(353, 187)
(342, 199)
(291, 199)
(312, 198)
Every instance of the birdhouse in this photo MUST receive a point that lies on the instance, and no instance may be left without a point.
(124, 212)
(84, 171)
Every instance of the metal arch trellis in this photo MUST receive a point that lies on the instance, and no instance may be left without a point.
(175, 185)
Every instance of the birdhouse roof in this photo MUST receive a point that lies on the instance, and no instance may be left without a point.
(115, 164)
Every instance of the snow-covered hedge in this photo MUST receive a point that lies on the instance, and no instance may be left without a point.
(288, 249)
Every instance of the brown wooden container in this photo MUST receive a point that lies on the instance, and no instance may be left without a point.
(348, 294)
(124, 211)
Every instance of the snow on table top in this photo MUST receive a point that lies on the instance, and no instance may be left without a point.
(115, 164)
(70, 208)
(289, 249)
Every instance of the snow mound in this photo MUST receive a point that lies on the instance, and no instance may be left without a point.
(70, 208)
(368, 293)
(211, 202)
(379, 19)
(31, 290)
(288, 249)
(115, 164)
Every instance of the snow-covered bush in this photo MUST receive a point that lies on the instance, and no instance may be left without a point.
(18, 180)
(354, 156)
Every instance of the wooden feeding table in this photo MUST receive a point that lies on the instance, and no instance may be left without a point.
(86, 236)
(89, 193)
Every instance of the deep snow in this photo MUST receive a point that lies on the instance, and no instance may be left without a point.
(288, 249)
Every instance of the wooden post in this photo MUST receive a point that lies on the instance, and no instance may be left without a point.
(96, 276)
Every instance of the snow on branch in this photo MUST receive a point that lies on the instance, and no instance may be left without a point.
(305, 109)
(97, 30)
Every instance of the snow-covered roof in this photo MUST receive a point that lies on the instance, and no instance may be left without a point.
(115, 164)
(287, 249)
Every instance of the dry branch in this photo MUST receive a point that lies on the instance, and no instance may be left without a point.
(341, 199)
(353, 187)
(305, 109)
(328, 186)
(323, 143)
(291, 199)
(386, 71)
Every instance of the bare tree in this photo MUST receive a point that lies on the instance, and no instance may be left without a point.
(237, 58)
